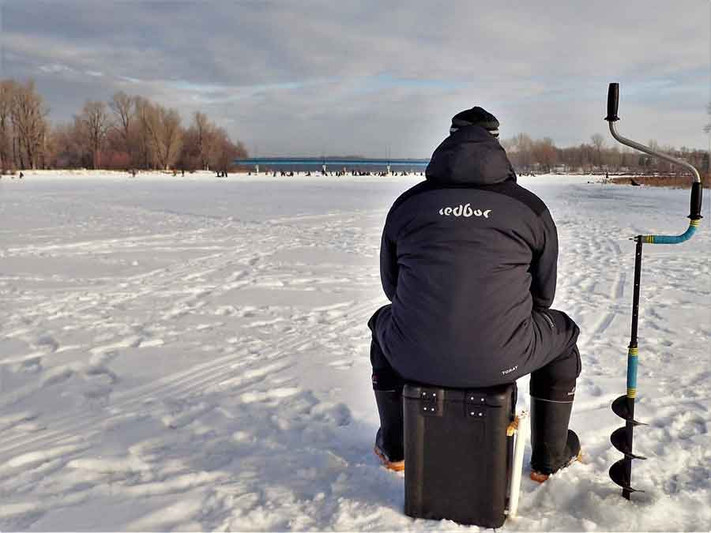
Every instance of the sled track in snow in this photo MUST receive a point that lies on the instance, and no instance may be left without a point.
(181, 384)
(232, 369)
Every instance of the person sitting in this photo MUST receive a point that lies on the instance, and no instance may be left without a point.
(468, 260)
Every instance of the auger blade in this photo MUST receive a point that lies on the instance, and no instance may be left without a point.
(621, 442)
(621, 408)
(618, 474)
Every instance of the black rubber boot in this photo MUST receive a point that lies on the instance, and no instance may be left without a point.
(389, 439)
(554, 445)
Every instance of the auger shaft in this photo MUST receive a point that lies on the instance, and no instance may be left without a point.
(623, 438)
(632, 361)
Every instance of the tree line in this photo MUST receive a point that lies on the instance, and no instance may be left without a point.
(542, 155)
(127, 133)
(135, 133)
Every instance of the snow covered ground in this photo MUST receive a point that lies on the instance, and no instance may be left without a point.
(191, 354)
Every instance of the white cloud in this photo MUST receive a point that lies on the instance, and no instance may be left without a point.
(55, 68)
(306, 76)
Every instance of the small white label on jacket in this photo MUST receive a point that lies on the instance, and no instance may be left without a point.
(508, 371)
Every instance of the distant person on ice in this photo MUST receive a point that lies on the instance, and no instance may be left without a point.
(468, 260)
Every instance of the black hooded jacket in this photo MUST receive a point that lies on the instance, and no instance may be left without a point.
(466, 257)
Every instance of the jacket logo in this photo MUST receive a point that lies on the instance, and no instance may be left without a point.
(463, 211)
(509, 370)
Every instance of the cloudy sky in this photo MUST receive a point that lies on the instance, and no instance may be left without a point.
(375, 77)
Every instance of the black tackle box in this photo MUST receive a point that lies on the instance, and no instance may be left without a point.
(457, 455)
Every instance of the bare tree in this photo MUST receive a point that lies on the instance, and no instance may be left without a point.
(521, 148)
(142, 110)
(67, 150)
(204, 137)
(122, 107)
(225, 151)
(165, 133)
(30, 124)
(189, 157)
(545, 153)
(7, 88)
(598, 141)
(94, 123)
(707, 128)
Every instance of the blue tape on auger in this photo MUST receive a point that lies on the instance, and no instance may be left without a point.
(632, 359)
(672, 239)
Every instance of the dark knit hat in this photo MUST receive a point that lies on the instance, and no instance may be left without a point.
(475, 116)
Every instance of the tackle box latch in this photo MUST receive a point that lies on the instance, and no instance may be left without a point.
(475, 405)
(430, 403)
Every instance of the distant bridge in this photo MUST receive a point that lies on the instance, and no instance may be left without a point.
(323, 163)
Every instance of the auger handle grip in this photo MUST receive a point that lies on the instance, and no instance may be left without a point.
(613, 101)
(695, 207)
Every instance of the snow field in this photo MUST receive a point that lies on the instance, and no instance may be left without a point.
(192, 354)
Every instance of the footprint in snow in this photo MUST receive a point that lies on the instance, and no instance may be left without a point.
(341, 364)
(47, 342)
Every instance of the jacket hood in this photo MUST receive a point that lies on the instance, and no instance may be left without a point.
(469, 156)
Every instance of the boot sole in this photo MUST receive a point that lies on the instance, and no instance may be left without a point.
(395, 466)
(540, 477)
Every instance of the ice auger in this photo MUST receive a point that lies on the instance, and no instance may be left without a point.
(621, 471)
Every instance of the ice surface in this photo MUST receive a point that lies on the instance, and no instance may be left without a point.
(192, 354)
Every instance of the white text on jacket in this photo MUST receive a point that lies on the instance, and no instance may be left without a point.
(464, 211)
